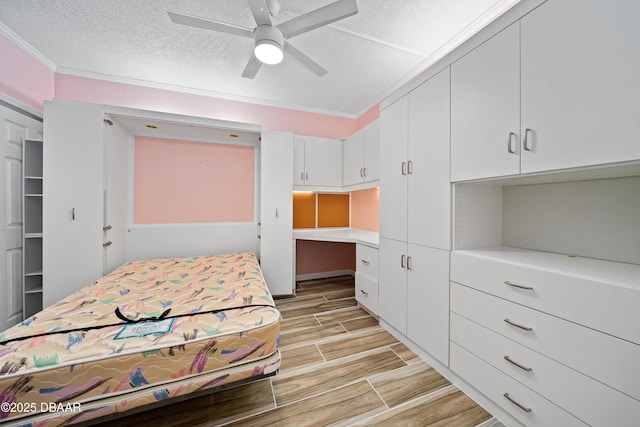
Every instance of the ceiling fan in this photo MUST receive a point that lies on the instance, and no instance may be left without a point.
(271, 41)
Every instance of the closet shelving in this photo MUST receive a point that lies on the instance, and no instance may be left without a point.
(32, 226)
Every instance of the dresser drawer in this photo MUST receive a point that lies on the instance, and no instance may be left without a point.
(576, 393)
(367, 261)
(367, 292)
(569, 288)
(605, 358)
(520, 402)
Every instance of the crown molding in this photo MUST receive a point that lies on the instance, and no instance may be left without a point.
(22, 44)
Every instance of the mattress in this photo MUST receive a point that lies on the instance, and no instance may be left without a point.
(148, 331)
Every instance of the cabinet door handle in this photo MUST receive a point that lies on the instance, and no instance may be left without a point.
(73, 214)
(513, 362)
(402, 257)
(306, 176)
(302, 176)
(509, 141)
(404, 168)
(409, 263)
(365, 262)
(510, 399)
(361, 173)
(525, 142)
(517, 325)
(364, 170)
(516, 285)
(105, 244)
(410, 167)
(366, 294)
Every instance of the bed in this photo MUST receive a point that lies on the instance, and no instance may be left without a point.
(149, 331)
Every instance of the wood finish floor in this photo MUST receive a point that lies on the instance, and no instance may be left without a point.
(339, 367)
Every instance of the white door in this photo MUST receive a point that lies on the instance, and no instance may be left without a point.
(392, 284)
(73, 188)
(580, 85)
(276, 211)
(115, 195)
(485, 109)
(323, 162)
(14, 127)
(353, 159)
(393, 170)
(428, 300)
(429, 189)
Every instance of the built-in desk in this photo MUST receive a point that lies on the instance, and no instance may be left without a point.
(366, 258)
(346, 235)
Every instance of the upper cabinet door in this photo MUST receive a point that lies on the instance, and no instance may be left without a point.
(323, 162)
(485, 109)
(353, 159)
(372, 152)
(298, 160)
(580, 83)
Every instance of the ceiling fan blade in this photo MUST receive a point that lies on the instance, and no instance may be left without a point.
(304, 59)
(252, 68)
(260, 12)
(325, 15)
(208, 24)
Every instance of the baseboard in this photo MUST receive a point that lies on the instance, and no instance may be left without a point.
(324, 274)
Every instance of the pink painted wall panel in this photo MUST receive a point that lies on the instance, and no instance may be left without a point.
(369, 116)
(271, 118)
(365, 209)
(192, 182)
(24, 78)
(317, 257)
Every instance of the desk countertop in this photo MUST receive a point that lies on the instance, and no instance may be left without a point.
(348, 235)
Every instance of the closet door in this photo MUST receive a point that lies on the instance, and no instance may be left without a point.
(276, 211)
(353, 159)
(392, 286)
(393, 170)
(429, 188)
(73, 205)
(580, 85)
(485, 109)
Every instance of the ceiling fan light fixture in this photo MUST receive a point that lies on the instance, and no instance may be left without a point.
(268, 52)
(269, 44)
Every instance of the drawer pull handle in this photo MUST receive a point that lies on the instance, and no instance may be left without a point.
(402, 258)
(364, 293)
(526, 328)
(365, 262)
(516, 285)
(509, 146)
(510, 399)
(513, 362)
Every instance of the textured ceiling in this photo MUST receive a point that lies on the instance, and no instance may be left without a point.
(367, 55)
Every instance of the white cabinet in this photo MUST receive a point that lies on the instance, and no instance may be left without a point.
(317, 162)
(415, 191)
(75, 243)
(415, 296)
(367, 277)
(580, 86)
(415, 225)
(276, 206)
(361, 156)
(549, 92)
(485, 109)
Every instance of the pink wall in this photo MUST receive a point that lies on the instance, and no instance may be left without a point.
(24, 78)
(316, 257)
(369, 116)
(365, 207)
(192, 182)
(271, 118)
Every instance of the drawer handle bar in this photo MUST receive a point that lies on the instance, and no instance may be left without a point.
(509, 146)
(510, 399)
(364, 293)
(515, 285)
(513, 362)
(365, 262)
(526, 328)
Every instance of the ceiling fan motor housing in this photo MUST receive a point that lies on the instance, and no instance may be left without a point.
(268, 34)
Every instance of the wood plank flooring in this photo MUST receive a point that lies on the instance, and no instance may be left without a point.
(339, 367)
